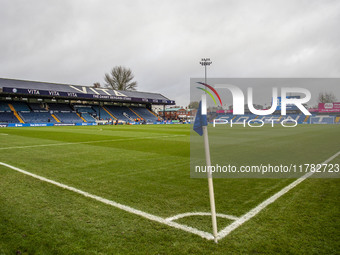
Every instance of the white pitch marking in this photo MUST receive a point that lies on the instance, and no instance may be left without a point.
(179, 216)
(100, 141)
(3, 134)
(126, 208)
(222, 234)
(226, 231)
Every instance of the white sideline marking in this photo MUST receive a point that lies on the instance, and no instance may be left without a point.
(169, 221)
(99, 141)
(3, 134)
(129, 209)
(179, 216)
(226, 231)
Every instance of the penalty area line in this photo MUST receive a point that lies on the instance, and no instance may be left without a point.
(226, 231)
(126, 208)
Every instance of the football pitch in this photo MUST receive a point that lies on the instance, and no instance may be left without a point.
(127, 190)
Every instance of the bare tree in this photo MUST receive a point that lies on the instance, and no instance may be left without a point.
(326, 97)
(96, 85)
(120, 78)
(193, 105)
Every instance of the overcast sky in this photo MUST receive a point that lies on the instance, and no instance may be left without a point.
(162, 41)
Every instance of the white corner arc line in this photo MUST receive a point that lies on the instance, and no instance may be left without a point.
(226, 231)
(183, 215)
(129, 209)
(222, 234)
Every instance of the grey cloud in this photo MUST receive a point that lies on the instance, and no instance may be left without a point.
(162, 41)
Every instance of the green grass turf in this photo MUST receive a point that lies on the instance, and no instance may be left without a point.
(147, 168)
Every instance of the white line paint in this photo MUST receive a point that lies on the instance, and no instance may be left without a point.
(3, 134)
(226, 231)
(87, 142)
(169, 221)
(220, 215)
(129, 209)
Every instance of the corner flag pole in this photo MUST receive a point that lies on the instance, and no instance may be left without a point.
(208, 163)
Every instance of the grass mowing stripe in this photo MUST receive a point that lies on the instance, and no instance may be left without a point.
(117, 205)
(37, 217)
(100, 141)
(222, 234)
(260, 207)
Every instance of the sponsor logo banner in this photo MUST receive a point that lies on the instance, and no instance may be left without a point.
(329, 107)
(86, 124)
(83, 95)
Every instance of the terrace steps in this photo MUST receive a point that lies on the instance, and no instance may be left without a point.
(15, 113)
(153, 113)
(109, 113)
(55, 117)
(135, 113)
(81, 117)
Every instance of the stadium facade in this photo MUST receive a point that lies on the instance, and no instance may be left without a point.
(31, 103)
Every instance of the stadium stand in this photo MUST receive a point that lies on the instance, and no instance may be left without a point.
(22, 112)
(122, 113)
(36, 107)
(37, 117)
(86, 112)
(68, 117)
(145, 114)
(8, 117)
(102, 113)
(88, 117)
(60, 107)
(30, 102)
(300, 118)
(81, 108)
(20, 106)
(322, 119)
(4, 107)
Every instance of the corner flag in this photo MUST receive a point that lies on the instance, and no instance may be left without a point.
(200, 127)
(201, 119)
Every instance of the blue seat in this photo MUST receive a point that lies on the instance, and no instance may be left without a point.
(37, 117)
(68, 117)
(8, 117)
(145, 114)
